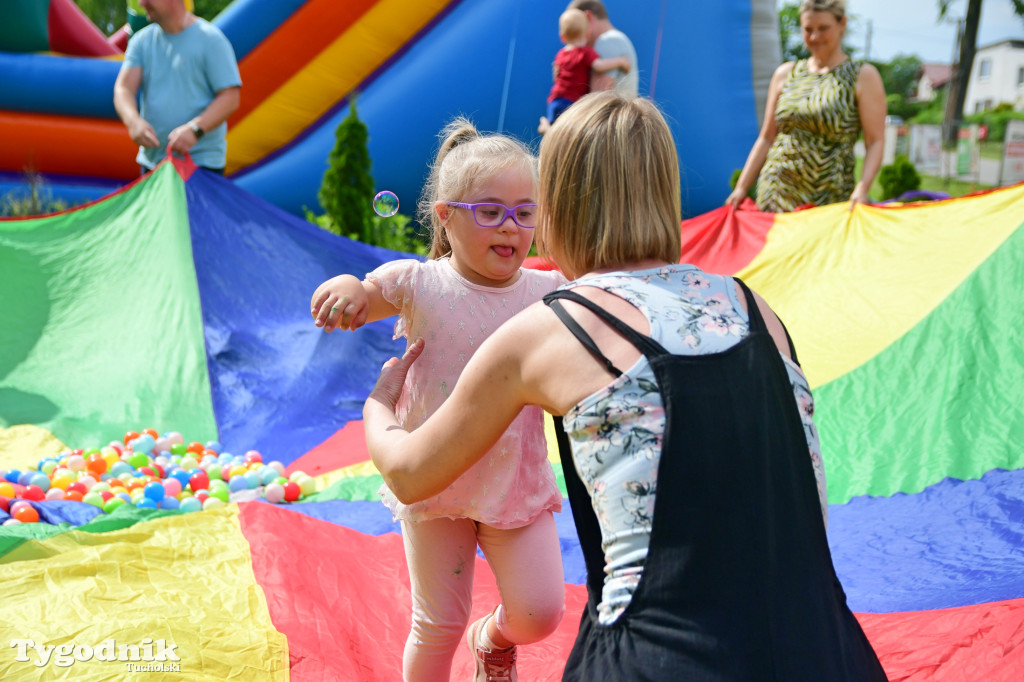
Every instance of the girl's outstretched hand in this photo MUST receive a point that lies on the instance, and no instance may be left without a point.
(392, 376)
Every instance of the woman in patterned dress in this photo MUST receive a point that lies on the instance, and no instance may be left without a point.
(816, 109)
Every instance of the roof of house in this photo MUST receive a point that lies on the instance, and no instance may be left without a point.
(938, 74)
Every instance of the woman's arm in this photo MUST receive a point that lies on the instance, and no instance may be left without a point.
(871, 110)
(759, 152)
(487, 397)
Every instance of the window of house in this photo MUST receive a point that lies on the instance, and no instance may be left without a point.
(1020, 76)
(985, 69)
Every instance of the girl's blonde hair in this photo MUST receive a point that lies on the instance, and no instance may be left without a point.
(466, 160)
(836, 8)
(609, 186)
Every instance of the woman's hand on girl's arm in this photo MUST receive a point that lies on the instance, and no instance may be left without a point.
(488, 396)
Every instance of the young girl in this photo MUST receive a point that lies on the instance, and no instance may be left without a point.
(480, 206)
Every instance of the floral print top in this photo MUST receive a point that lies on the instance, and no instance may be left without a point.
(616, 432)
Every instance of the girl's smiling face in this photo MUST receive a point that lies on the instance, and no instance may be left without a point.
(490, 256)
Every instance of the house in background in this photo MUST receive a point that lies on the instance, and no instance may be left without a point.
(997, 76)
(931, 79)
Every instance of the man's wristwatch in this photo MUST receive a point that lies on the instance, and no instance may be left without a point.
(197, 131)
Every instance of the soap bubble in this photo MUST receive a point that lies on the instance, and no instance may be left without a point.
(385, 204)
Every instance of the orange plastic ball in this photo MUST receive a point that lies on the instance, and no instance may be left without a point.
(131, 435)
(26, 514)
(151, 432)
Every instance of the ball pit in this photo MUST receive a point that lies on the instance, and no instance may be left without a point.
(148, 470)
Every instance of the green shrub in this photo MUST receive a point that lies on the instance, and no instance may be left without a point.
(898, 178)
(995, 119)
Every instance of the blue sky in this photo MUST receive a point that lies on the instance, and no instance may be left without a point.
(911, 27)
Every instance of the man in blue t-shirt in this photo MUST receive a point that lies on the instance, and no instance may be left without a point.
(182, 72)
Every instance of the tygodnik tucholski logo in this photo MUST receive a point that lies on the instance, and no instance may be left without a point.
(147, 655)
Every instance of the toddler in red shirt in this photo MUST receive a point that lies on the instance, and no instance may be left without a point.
(572, 66)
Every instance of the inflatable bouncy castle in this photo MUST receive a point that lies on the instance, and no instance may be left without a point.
(414, 65)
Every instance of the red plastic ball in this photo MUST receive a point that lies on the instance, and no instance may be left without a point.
(199, 481)
(5, 503)
(33, 493)
(292, 491)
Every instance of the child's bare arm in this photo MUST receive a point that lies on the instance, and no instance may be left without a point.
(610, 64)
(346, 302)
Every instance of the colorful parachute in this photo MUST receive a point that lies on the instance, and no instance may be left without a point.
(182, 304)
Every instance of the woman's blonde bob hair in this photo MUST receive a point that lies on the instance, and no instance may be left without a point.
(609, 186)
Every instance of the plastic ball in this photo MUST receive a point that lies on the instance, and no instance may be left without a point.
(220, 494)
(118, 468)
(146, 503)
(267, 475)
(130, 435)
(202, 495)
(307, 484)
(96, 464)
(100, 487)
(291, 491)
(76, 463)
(5, 503)
(178, 448)
(124, 496)
(48, 466)
(113, 504)
(190, 504)
(198, 480)
(213, 503)
(54, 494)
(169, 503)
(162, 444)
(195, 447)
(6, 489)
(253, 479)
(182, 476)
(152, 433)
(33, 493)
(238, 483)
(95, 499)
(189, 462)
(172, 487)
(26, 514)
(105, 494)
(253, 456)
(277, 466)
(138, 460)
(11, 475)
(72, 496)
(225, 473)
(41, 481)
(274, 493)
(154, 491)
(88, 481)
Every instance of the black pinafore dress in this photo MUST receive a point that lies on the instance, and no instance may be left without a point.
(738, 583)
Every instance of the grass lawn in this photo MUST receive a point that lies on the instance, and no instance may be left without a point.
(930, 183)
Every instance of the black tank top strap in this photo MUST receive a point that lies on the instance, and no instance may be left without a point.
(581, 335)
(757, 323)
(645, 344)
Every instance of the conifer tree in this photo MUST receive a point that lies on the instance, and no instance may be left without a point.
(346, 193)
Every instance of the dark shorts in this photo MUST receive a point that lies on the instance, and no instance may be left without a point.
(556, 107)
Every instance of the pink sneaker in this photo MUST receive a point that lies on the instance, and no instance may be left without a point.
(491, 666)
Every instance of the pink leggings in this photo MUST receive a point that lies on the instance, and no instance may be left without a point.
(441, 553)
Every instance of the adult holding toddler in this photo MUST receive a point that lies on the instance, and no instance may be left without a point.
(609, 43)
(816, 109)
(573, 66)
